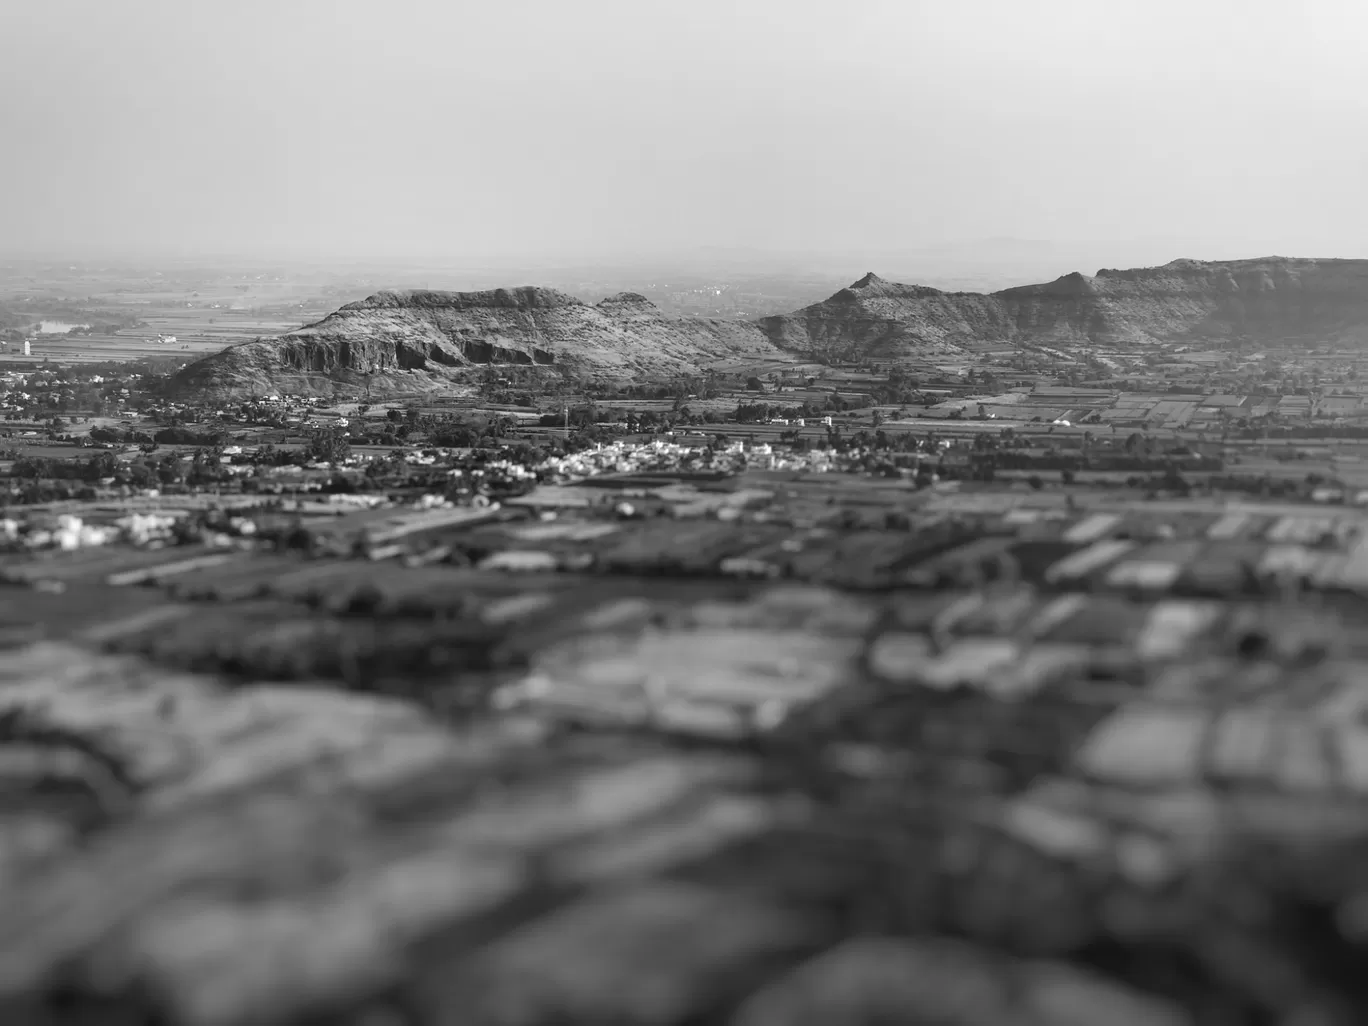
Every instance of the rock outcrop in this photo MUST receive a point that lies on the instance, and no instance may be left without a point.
(885, 320)
(1273, 297)
(409, 341)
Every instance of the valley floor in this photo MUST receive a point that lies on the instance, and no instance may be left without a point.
(651, 747)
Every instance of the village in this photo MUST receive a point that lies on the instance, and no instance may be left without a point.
(1250, 424)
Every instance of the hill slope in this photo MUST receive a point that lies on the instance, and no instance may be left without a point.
(406, 341)
(1273, 297)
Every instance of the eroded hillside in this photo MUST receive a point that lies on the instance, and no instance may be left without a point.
(418, 339)
(407, 341)
(1272, 297)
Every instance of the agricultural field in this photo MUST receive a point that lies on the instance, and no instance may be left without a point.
(705, 736)
(122, 348)
(204, 309)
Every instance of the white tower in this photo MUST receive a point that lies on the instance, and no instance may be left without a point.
(28, 348)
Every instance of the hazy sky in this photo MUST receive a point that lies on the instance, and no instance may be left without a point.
(526, 129)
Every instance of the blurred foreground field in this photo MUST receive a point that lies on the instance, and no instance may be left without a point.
(976, 763)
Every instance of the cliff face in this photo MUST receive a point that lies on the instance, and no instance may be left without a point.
(1273, 298)
(885, 320)
(406, 341)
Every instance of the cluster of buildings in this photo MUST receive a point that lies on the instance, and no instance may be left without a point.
(1162, 410)
(67, 532)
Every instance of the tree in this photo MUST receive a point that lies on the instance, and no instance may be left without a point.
(141, 475)
(329, 445)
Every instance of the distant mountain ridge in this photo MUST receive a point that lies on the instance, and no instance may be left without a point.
(410, 340)
(1184, 299)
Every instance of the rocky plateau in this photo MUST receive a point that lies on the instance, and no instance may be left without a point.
(1273, 297)
(419, 340)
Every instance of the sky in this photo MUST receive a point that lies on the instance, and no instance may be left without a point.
(555, 130)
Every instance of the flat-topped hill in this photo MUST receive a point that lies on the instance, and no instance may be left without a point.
(412, 340)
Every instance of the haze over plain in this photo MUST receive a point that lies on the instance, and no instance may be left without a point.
(890, 135)
(478, 545)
